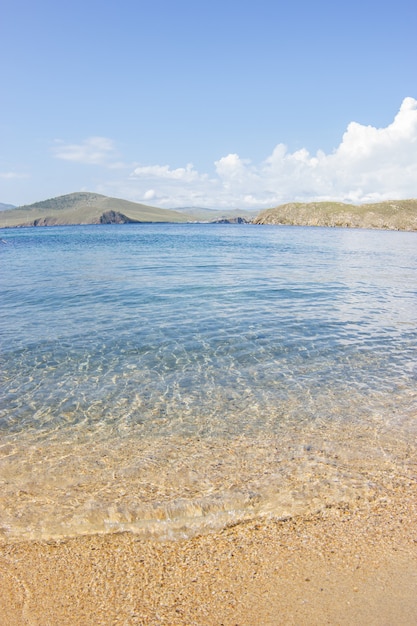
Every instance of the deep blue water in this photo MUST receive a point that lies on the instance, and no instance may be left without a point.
(153, 369)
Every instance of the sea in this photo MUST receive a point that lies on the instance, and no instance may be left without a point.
(173, 379)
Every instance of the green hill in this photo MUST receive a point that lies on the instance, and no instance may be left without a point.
(86, 208)
(391, 215)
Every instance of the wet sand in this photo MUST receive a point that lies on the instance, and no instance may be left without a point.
(345, 566)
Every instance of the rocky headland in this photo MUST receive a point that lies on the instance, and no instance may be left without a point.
(389, 215)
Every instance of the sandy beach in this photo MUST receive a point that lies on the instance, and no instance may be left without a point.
(344, 566)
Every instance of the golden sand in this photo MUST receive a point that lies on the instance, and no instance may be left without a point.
(344, 566)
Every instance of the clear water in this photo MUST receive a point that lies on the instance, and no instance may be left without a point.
(170, 379)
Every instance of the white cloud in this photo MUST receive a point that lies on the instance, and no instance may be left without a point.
(92, 151)
(185, 174)
(232, 167)
(369, 165)
(150, 194)
(12, 175)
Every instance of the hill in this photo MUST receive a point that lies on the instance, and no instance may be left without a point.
(6, 207)
(86, 208)
(390, 215)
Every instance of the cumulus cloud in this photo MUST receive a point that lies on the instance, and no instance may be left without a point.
(92, 151)
(232, 167)
(185, 174)
(370, 164)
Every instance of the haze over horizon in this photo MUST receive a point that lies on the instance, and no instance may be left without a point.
(222, 105)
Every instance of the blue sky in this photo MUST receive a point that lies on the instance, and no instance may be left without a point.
(221, 104)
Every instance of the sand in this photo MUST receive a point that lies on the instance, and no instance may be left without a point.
(351, 565)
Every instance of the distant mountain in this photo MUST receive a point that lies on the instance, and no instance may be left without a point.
(390, 215)
(87, 208)
(208, 215)
(6, 207)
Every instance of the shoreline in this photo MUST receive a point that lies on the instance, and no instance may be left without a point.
(344, 566)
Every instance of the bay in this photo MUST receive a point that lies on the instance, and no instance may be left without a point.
(171, 379)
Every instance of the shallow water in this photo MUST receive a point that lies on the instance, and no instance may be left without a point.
(169, 379)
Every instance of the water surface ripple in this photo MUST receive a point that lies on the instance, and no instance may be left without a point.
(169, 379)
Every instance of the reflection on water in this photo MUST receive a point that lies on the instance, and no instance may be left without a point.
(169, 379)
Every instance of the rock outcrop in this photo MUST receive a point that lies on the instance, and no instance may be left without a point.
(230, 220)
(115, 217)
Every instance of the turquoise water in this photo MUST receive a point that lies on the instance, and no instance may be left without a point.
(169, 379)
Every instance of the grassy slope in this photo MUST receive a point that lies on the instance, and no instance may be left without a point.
(395, 214)
(85, 208)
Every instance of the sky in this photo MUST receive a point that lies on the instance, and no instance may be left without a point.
(222, 104)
